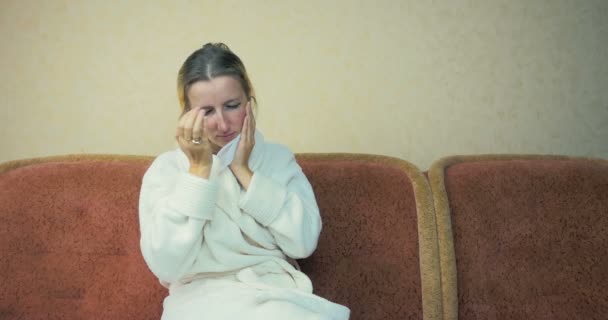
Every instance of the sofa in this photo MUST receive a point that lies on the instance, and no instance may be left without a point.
(522, 236)
(474, 237)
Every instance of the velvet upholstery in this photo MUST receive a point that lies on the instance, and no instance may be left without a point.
(370, 257)
(69, 237)
(70, 241)
(522, 237)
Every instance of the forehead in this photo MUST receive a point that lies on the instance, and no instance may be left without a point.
(215, 91)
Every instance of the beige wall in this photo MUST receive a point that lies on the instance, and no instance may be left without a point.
(413, 79)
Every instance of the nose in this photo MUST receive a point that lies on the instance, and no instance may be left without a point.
(222, 126)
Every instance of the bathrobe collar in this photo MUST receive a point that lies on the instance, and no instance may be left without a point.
(226, 154)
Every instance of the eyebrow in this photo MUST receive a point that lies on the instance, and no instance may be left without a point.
(231, 100)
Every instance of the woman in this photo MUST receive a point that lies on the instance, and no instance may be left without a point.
(224, 216)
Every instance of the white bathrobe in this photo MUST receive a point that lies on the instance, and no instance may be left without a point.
(226, 253)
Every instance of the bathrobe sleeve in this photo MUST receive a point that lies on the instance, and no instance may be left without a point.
(173, 208)
(280, 198)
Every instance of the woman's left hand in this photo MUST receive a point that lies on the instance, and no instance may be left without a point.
(240, 163)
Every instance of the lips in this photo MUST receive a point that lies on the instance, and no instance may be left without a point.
(227, 136)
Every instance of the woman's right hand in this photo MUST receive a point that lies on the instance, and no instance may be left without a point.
(190, 130)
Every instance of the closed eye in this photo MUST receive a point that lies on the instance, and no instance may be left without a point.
(233, 106)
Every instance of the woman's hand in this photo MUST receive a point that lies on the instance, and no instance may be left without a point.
(193, 141)
(240, 163)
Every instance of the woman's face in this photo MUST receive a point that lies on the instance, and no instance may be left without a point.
(223, 101)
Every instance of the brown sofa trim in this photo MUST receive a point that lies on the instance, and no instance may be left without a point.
(445, 238)
(427, 233)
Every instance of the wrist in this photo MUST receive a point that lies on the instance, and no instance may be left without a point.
(243, 174)
(239, 168)
(202, 171)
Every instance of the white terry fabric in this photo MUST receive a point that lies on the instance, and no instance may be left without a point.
(226, 154)
(209, 241)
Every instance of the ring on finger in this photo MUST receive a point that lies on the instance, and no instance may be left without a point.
(197, 140)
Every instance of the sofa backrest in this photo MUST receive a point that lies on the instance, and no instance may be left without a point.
(522, 237)
(69, 238)
(370, 256)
